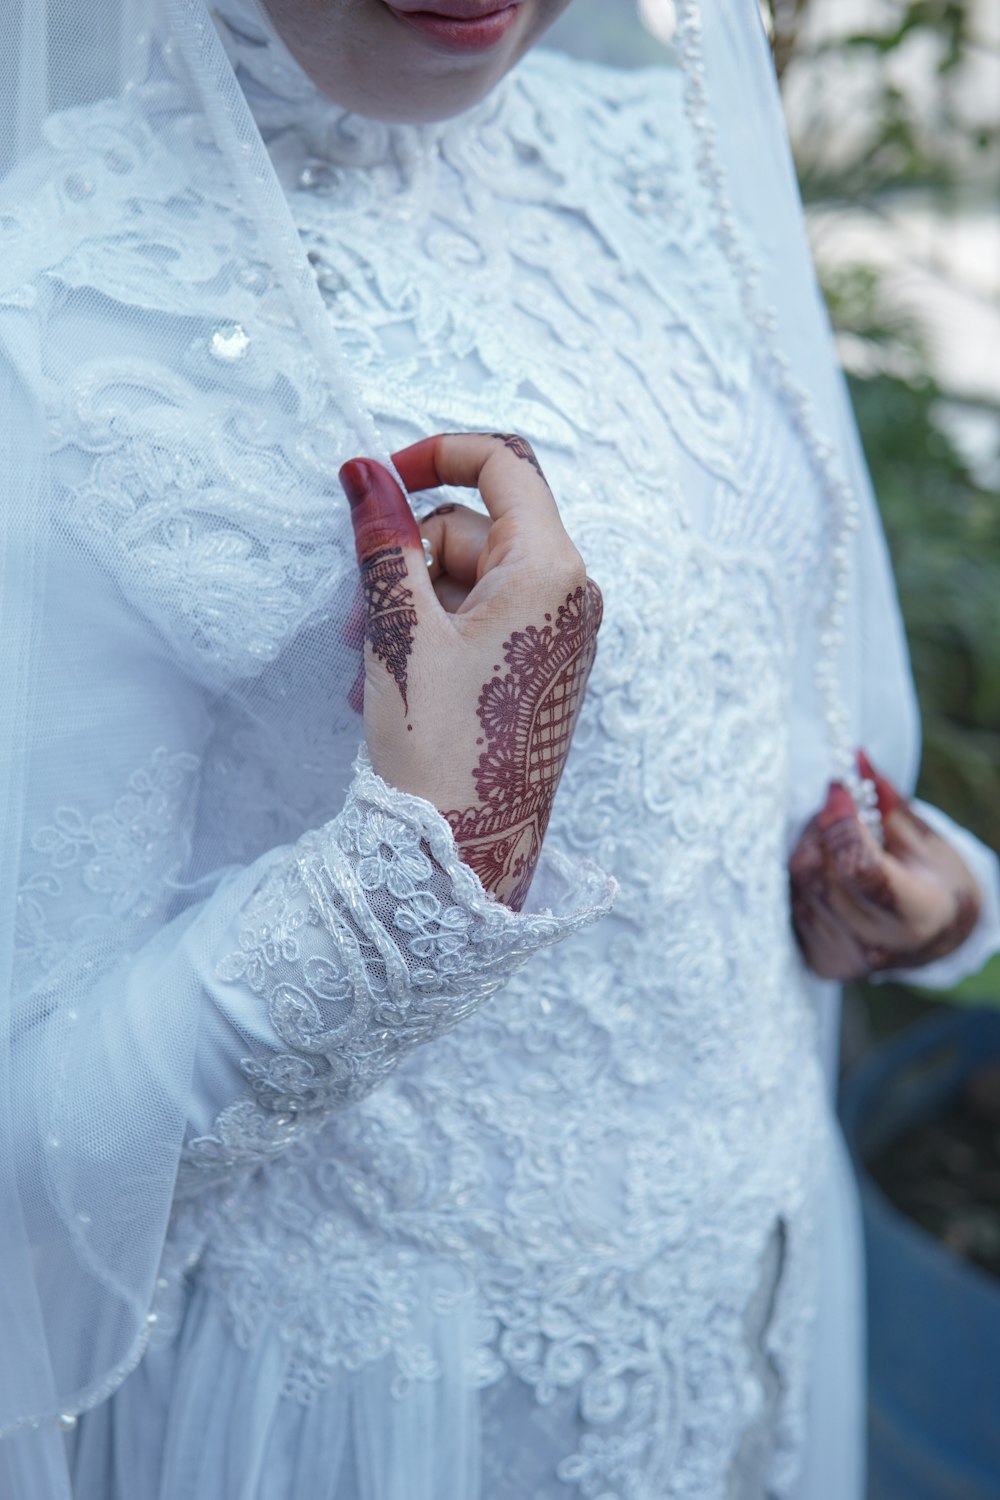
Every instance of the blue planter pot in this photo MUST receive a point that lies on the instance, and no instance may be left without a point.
(933, 1319)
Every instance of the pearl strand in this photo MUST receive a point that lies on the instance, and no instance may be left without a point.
(843, 506)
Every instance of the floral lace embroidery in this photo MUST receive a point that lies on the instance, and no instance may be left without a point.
(557, 1148)
(213, 479)
(548, 1156)
(373, 940)
(122, 857)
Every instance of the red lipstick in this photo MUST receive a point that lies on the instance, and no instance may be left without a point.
(461, 25)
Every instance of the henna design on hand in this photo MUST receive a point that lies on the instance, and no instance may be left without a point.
(833, 848)
(521, 448)
(528, 716)
(831, 950)
(391, 616)
(835, 839)
(859, 867)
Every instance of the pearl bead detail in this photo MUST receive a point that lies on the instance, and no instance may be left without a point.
(229, 342)
(843, 508)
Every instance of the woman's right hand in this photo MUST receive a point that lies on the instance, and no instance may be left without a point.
(471, 702)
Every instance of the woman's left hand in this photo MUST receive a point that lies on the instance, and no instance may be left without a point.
(858, 907)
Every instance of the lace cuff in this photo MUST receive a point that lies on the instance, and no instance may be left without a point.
(370, 939)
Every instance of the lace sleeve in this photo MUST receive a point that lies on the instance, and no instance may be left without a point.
(369, 940)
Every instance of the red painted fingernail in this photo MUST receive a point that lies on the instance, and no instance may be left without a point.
(380, 513)
(356, 478)
(838, 806)
(888, 798)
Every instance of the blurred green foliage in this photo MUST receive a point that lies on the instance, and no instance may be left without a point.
(941, 512)
(921, 59)
(945, 539)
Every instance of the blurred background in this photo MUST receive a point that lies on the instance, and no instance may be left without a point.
(893, 108)
(894, 114)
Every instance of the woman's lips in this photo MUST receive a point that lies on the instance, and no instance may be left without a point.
(475, 31)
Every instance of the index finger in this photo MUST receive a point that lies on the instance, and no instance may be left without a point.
(501, 465)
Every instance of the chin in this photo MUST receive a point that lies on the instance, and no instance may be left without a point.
(406, 64)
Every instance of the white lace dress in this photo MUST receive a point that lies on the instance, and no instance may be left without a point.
(570, 1246)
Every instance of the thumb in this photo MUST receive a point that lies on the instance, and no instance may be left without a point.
(380, 512)
(394, 579)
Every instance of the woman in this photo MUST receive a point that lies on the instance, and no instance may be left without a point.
(591, 1237)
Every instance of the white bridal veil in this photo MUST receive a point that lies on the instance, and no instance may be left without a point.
(138, 339)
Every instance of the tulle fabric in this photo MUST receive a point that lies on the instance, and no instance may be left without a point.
(97, 1075)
